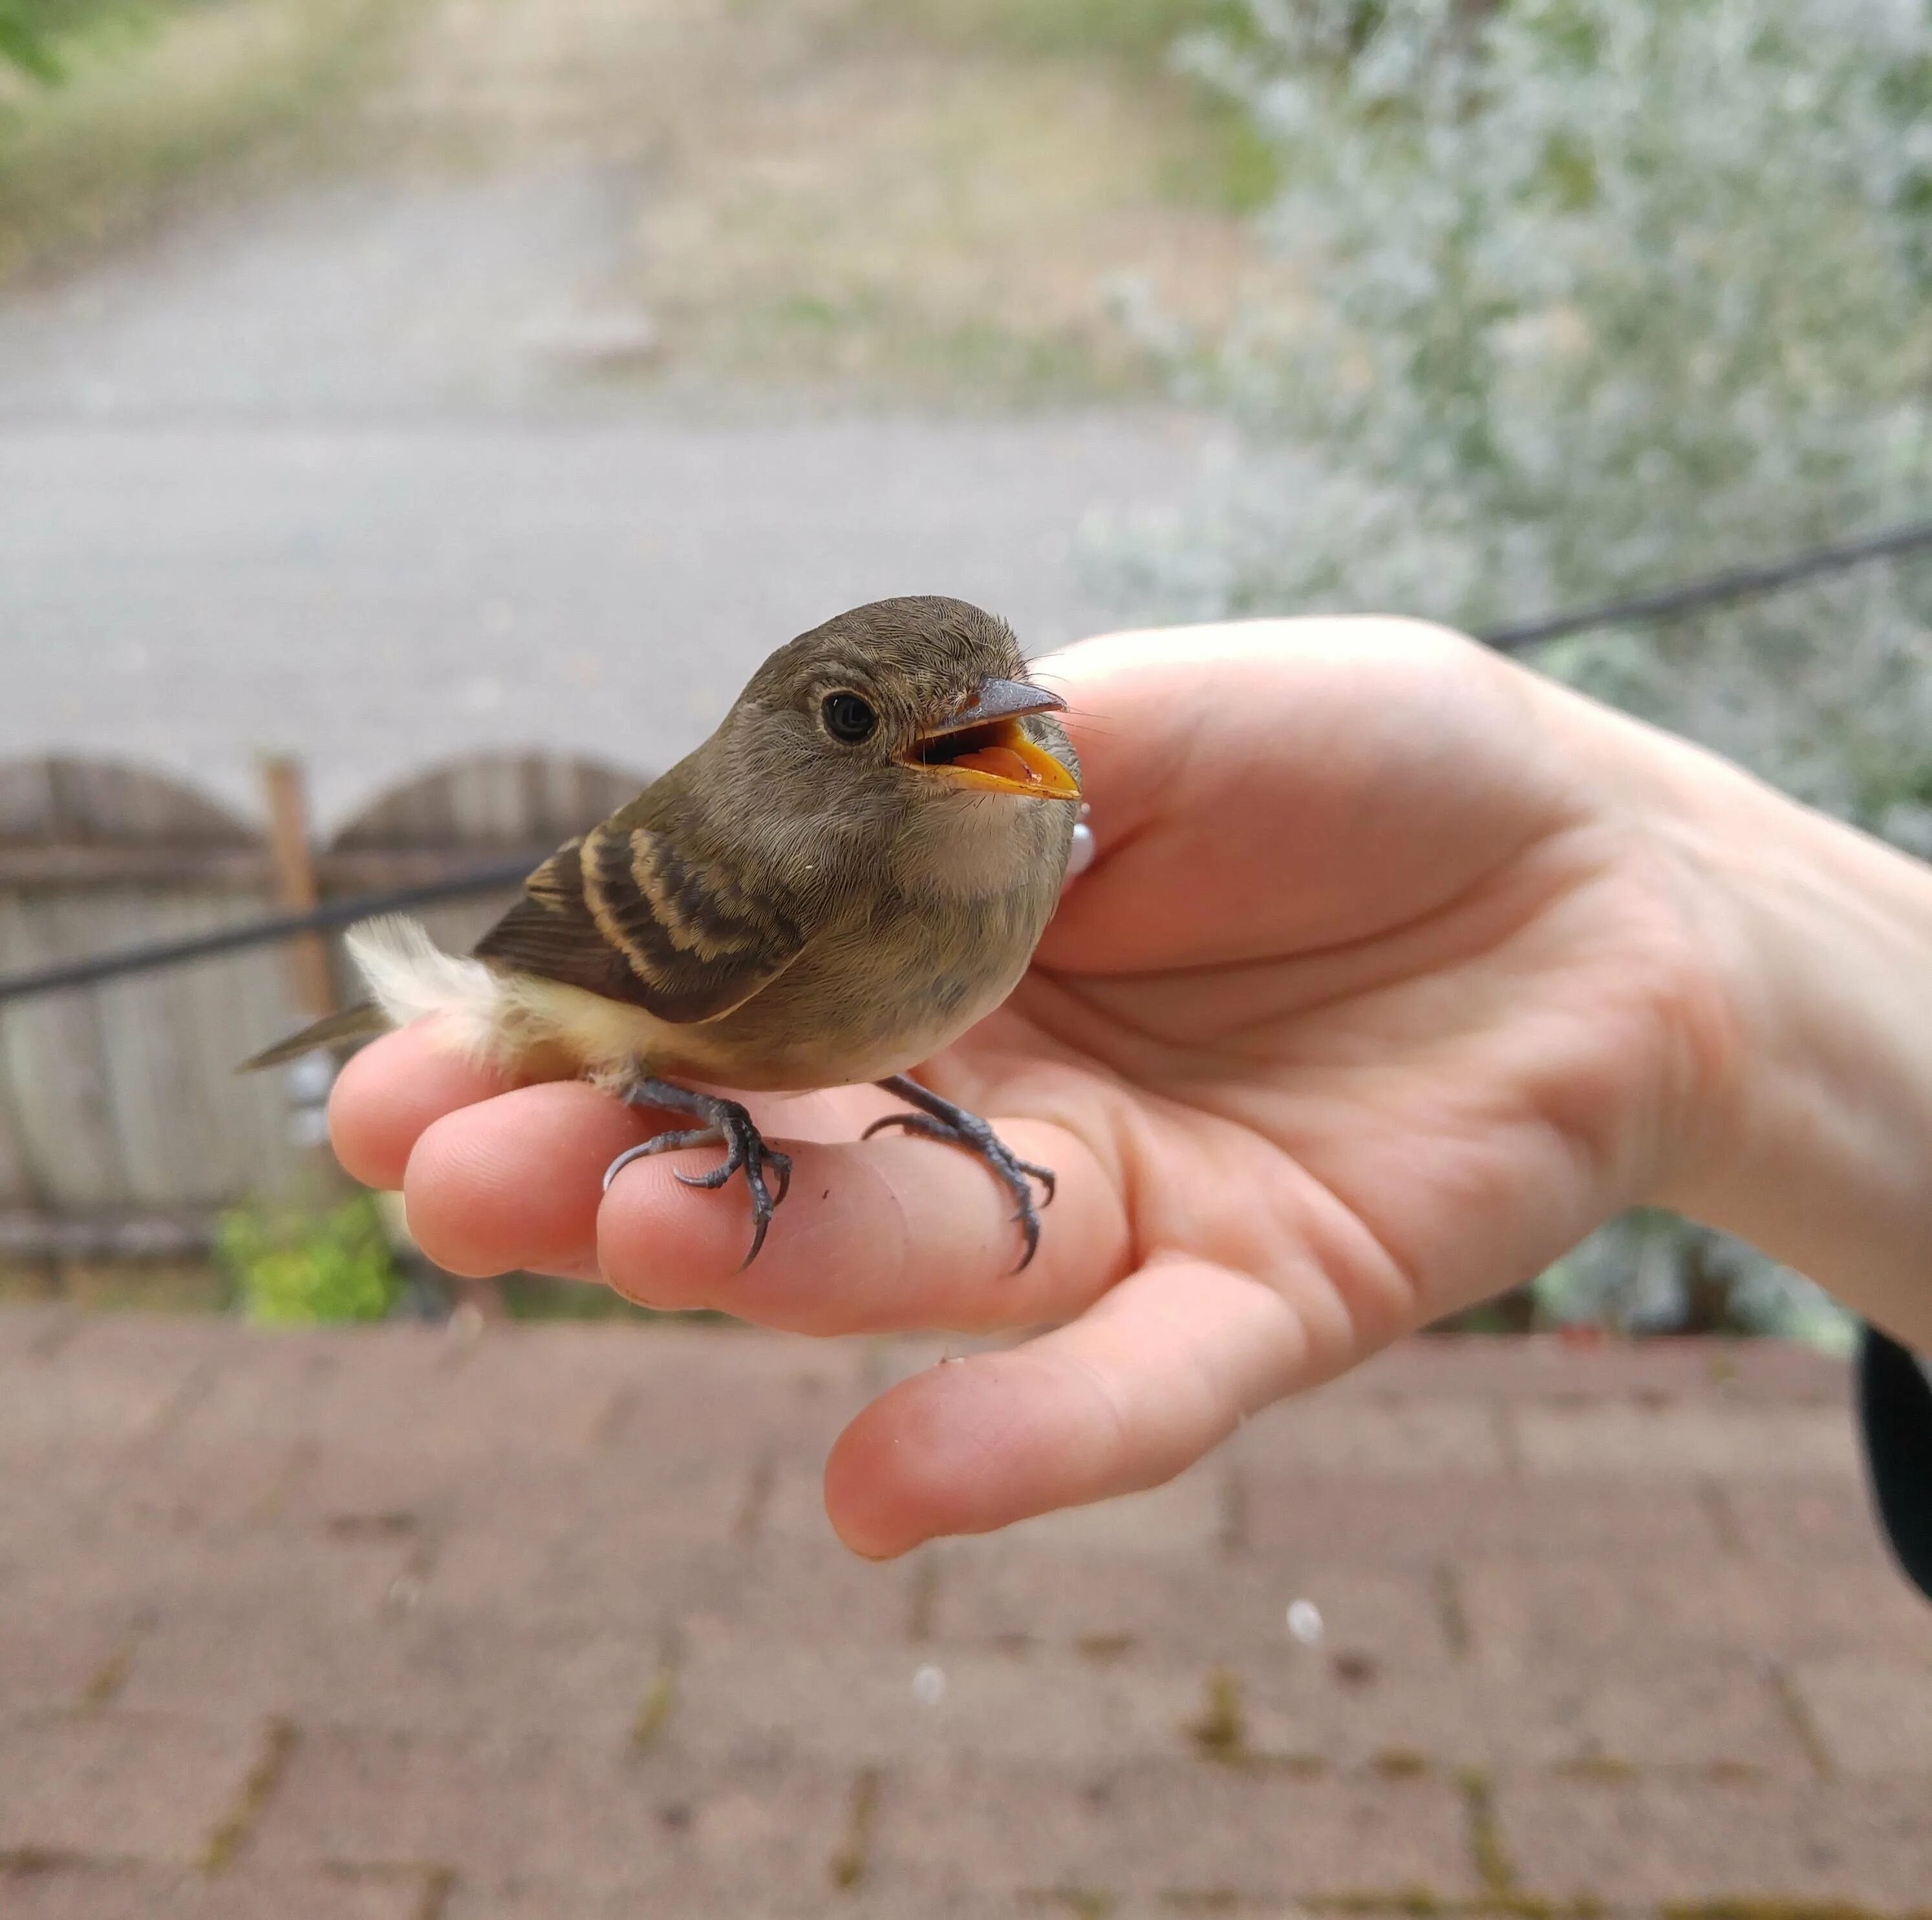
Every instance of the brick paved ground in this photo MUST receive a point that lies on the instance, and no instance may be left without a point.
(548, 1623)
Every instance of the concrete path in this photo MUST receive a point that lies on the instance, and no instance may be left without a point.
(548, 1623)
(360, 474)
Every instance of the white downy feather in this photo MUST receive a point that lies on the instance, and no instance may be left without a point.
(409, 975)
(502, 1018)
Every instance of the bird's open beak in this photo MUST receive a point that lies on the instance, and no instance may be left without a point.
(984, 746)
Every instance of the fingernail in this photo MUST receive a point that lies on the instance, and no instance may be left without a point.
(1080, 855)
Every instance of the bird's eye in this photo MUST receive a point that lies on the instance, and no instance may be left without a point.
(848, 717)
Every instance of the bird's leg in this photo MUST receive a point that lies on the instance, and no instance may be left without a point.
(940, 1119)
(727, 1124)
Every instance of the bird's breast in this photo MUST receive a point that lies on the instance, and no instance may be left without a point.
(928, 946)
(876, 996)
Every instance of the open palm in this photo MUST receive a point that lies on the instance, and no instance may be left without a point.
(1384, 990)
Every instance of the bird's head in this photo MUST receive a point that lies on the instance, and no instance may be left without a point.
(910, 700)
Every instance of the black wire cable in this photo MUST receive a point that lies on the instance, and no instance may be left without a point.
(1665, 603)
(1714, 589)
(325, 919)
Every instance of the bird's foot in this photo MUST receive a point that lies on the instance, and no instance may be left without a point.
(940, 1119)
(727, 1124)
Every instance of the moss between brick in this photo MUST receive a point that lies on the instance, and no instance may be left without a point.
(1400, 1763)
(1421, 1904)
(1606, 1768)
(1418, 1902)
(22, 1861)
(278, 1748)
(1083, 1903)
(1485, 1839)
(110, 1677)
(1774, 1908)
(850, 1863)
(1221, 1733)
(654, 1710)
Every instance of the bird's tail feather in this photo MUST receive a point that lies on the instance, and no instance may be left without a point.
(353, 1023)
(408, 976)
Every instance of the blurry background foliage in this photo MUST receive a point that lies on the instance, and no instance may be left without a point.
(299, 1269)
(34, 33)
(1592, 295)
(114, 112)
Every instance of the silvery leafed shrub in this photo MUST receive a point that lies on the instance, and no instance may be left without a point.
(1591, 295)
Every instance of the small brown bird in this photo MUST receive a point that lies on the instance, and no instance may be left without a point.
(854, 868)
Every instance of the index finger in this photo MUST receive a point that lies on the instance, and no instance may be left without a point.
(388, 1094)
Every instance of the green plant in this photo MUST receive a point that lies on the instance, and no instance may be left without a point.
(34, 33)
(303, 1270)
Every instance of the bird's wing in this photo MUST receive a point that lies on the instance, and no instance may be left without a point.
(622, 913)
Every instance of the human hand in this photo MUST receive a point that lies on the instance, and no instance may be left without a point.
(1400, 970)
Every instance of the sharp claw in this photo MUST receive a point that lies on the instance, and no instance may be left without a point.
(644, 1149)
(730, 1126)
(762, 1205)
(925, 1127)
(1030, 1227)
(660, 1143)
(936, 1119)
(1045, 1175)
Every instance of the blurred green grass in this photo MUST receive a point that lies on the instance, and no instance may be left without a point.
(156, 98)
(1228, 166)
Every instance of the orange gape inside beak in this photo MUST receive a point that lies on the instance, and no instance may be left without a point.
(997, 758)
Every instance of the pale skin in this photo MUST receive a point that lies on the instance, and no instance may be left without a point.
(1400, 970)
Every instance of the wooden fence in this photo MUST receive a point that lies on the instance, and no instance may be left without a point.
(124, 1127)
